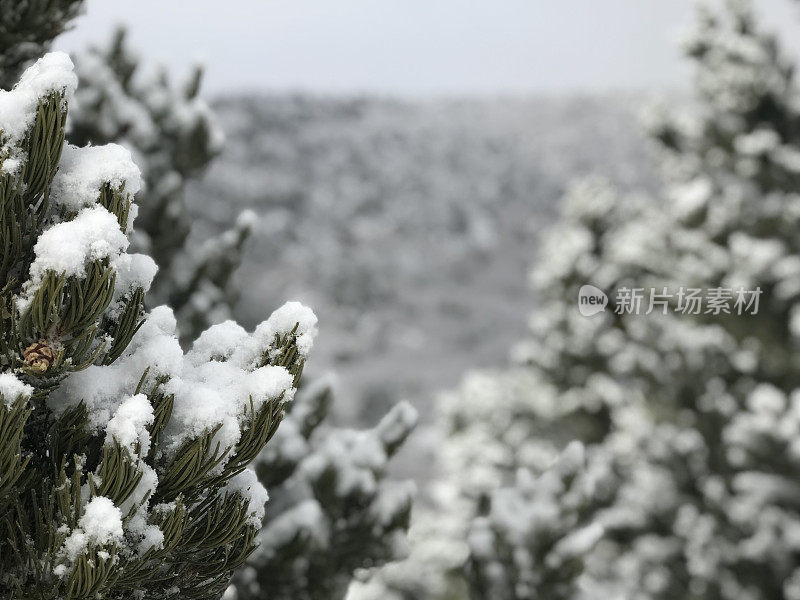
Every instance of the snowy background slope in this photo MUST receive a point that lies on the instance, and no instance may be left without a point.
(409, 226)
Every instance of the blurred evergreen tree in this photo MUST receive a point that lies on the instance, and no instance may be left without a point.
(689, 418)
(697, 412)
(26, 29)
(174, 136)
(332, 513)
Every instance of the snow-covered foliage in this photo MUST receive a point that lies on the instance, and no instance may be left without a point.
(173, 135)
(123, 460)
(689, 420)
(538, 521)
(333, 512)
(12, 388)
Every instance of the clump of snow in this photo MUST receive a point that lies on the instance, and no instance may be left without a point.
(142, 535)
(691, 197)
(355, 457)
(757, 142)
(219, 393)
(572, 458)
(268, 382)
(102, 521)
(218, 342)
(212, 385)
(12, 388)
(133, 271)
(68, 247)
(246, 484)
(50, 74)
(481, 538)
(359, 458)
(129, 424)
(284, 319)
(100, 524)
(84, 171)
(152, 539)
(198, 408)
(102, 388)
(229, 342)
(767, 398)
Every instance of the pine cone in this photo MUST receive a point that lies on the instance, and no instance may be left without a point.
(38, 356)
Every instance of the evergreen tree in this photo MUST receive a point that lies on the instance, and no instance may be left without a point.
(690, 418)
(700, 440)
(124, 460)
(332, 512)
(505, 427)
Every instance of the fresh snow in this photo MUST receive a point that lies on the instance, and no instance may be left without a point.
(230, 342)
(12, 388)
(83, 171)
(212, 385)
(284, 319)
(100, 524)
(246, 484)
(129, 424)
(68, 247)
(133, 271)
(50, 74)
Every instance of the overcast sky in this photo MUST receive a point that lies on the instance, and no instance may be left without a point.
(412, 46)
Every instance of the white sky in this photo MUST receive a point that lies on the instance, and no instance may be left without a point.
(412, 46)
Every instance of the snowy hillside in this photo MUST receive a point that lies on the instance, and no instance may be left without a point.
(408, 226)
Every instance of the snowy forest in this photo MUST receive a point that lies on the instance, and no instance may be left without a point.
(274, 345)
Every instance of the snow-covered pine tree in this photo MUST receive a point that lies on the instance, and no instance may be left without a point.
(332, 511)
(698, 497)
(124, 460)
(688, 487)
(174, 137)
(26, 29)
(503, 428)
